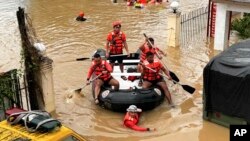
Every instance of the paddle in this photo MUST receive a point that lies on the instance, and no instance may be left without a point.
(82, 59)
(172, 74)
(86, 58)
(80, 89)
(119, 55)
(185, 87)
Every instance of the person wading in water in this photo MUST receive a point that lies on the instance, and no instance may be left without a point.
(80, 17)
(131, 119)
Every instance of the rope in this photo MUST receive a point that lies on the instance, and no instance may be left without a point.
(25, 116)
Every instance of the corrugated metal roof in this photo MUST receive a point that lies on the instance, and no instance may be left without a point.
(9, 133)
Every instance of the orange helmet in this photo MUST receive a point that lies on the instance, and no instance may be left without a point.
(116, 23)
(81, 14)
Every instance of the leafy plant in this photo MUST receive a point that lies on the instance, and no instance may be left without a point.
(6, 88)
(242, 26)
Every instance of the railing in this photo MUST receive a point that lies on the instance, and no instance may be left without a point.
(11, 93)
(193, 26)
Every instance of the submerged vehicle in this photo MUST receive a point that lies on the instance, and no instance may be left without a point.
(130, 92)
(35, 126)
(226, 86)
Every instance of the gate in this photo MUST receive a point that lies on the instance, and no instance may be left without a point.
(194, 26)
(11, 94)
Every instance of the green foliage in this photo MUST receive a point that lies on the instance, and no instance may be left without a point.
(246, 14)
(6, 88)
(242, 26)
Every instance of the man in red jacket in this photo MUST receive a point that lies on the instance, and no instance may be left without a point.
(102, 68)
(131, 119)
(152, 69)
(116, 41)
(148, 46)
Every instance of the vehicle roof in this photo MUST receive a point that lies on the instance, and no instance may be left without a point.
(19, 131)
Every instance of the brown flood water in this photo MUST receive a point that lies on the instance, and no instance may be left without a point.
(66, 40)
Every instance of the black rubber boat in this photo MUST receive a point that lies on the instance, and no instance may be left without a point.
(129, 92)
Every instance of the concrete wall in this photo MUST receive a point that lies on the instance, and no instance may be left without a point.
(173, 32)
(222, 22)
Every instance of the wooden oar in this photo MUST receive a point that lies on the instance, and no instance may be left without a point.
(185, 87)
(80, 89)
(172, 74)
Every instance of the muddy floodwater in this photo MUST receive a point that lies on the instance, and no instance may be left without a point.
(66, 39)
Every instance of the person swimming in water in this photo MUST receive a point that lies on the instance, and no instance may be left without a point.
(80, 17)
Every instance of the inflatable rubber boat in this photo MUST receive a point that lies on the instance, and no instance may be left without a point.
(129, 92)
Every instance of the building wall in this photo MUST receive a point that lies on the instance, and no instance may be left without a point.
(222, 20)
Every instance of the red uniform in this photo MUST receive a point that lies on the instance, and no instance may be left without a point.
(142, 1)
(116, 42)
(150, 75)
(97, 69)
(131, 122)
(146, 49)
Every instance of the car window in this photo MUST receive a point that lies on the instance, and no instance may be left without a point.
(70, 138)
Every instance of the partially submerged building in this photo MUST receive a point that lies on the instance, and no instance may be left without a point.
(222, 19)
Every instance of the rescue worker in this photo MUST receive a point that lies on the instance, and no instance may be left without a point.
(102, 67)
(131, 119)
(116, 41)
(80, 17)
(147, 47)
(151, 75)
(130, 2)
(141, 1)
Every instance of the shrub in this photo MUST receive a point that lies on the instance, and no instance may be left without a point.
(242, 26)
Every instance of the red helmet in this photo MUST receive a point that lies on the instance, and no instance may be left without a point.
(116, 23)
(81, 14)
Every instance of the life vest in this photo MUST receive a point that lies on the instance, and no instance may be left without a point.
(135, 119)
(132, 78)
(147, 49)
(98, 70)
(142, 1)
(149, 74)
(116, 43)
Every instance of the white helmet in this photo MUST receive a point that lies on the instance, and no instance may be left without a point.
(133, 108)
